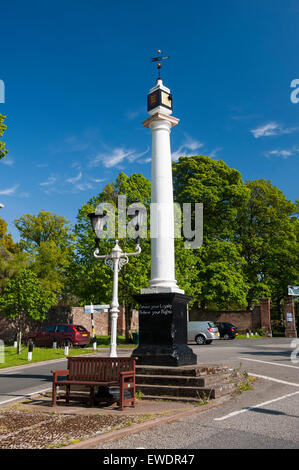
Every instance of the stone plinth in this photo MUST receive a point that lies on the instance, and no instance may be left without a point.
(163, 330)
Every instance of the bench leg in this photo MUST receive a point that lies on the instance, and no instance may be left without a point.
(91, 396)
(67, 394)
(54, 394)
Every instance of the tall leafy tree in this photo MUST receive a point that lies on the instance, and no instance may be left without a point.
(268, 230)
(217, 276)
(12, 259)
(3, 149)
(90, 279)
(23, 299)
(48, 240)
(6, 239)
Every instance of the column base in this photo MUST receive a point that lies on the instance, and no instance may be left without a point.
(163, 330)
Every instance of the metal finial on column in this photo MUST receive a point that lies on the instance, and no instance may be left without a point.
(159, 59)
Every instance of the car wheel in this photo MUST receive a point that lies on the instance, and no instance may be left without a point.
(200, 339)
(209, 341)
(69, 344)
(226, 336)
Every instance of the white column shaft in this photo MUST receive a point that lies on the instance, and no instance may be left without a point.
(162, 242)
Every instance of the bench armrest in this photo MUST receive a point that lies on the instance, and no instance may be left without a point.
(57, 373)
(128, 373)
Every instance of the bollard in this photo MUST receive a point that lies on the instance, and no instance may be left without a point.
(54, 344)
(30, 349)
(2, 360)
(66, 350)
(94, 344)
(15, 344)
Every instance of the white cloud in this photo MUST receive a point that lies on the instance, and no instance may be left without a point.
(7, 161)
(75, 178)
(272, 128)
(115, 157)
(98, 180)
(51, 180)
(134, 114)
(188, 145)
(9, 191)
(284, 153)
(214, 152)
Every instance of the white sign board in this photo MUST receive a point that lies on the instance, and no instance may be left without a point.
(293, 290)
(289, 317)
(96, 308)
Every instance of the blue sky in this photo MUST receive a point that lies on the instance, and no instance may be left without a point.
(77, 73)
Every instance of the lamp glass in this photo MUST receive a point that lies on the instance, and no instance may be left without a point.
(98, 222)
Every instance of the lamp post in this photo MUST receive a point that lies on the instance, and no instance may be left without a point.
(115, 260)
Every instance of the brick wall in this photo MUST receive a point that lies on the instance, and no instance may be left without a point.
(243, 320)
(66, 314)
(265, 312)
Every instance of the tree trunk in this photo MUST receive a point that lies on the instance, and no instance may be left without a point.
(128, 318)
(19, 341)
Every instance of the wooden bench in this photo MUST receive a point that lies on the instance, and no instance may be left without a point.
(97, 371)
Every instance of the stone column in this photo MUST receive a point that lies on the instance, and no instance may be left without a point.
(162, 216)
(290, 320)
(265, 310)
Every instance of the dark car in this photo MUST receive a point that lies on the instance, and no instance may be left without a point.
(63, 334)
(227, 330)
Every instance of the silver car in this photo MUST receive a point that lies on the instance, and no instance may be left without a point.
(202, 332)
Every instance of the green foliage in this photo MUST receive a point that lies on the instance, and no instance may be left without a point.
(41, 228)
(90, 279)
(12, 260)
(217, 275)
(3, 150)
(6, 239)
(48, 240)
(219, 188)
(24, 298)
(268, 229)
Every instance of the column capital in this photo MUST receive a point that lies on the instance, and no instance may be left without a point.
(160, 117)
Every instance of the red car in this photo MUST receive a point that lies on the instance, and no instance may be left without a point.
(64, 334)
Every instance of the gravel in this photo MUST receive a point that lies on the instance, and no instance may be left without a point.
(21, 429)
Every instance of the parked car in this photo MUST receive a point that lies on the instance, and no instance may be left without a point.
(227, 330)
(202, 332)
(63, 334)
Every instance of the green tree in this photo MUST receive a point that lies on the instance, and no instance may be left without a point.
(6, 239)
(23, 299)
(3, 150)
(12, 260)
(43, 227)
(217, 275)
(268, 230)
(90, 279)
(48, 239)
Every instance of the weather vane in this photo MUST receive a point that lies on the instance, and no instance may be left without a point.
(159, 59)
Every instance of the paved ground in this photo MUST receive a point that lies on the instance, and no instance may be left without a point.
(265, 417)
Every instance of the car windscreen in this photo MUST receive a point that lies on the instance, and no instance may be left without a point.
(212, 324)
(49, 329)
(80, 328)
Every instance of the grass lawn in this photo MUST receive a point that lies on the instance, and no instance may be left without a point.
(11, 358)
